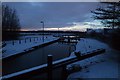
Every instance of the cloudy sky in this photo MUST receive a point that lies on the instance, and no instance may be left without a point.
(62, 15)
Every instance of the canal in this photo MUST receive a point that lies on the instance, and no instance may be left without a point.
(59, 50)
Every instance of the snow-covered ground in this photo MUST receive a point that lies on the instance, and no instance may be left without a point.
(18, 47)
(101, 66)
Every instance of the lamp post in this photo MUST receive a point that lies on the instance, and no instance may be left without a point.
(58, 32)
(43, 30)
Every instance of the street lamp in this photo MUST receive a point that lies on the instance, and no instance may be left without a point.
(58, 32)
(43, 30)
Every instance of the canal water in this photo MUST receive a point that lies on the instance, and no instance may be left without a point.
(59, 50)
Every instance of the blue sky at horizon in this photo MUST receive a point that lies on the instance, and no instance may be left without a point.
(62, 15)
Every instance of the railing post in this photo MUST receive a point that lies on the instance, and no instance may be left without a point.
(30, 39)
(34, 39)
(13, 42)
(49, 66)
(20, 41)
(64, 73)
(68, 39)
(25, 40)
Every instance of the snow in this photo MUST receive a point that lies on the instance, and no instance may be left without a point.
(101, 66)
(86, 45)
(100, 70)
(64, 59)
(24, 71)
(17, 48)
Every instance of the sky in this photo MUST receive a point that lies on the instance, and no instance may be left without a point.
(55, 15)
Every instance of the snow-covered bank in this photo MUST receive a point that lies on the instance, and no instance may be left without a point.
(101, 66)
(87, 45)
(24, 45)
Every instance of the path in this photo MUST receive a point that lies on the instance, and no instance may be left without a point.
(101, 66)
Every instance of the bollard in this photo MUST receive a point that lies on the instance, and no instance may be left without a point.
(19, 41)
(34, 38)
(68, 39)
(64, 73)
(13, 42)
(25, 40)
(49, 66)
(37, 38)
(30, 39)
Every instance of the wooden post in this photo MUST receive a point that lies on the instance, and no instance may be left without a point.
(37, 38)
(25, 40)
(64, 73)
(19, 41)
(34, 39)
(13, 42)
(49, 66)
(68, 39)
(30, 39)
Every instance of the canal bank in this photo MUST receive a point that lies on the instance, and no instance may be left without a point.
(61, 62)
(20, 49)
(38, 57)
(102, 66)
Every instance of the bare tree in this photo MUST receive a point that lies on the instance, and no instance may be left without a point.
(10, 22)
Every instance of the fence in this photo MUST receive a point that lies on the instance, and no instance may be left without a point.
(51, 65)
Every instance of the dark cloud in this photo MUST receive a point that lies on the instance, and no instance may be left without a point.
(54, 14)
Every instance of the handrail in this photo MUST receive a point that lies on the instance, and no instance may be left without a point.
(56, 64)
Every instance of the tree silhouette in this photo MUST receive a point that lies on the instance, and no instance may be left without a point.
(10, 22)
(109, 14)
